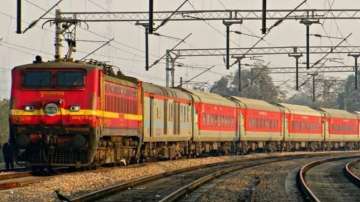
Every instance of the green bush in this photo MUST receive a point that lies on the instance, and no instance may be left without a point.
(4, 121)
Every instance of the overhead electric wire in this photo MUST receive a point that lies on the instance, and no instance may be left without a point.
(100, 35)
(269, 30)
(201, 73)
(169, 17)
(335, 21)
(211, 26)
(175, 46)
(32, 24)
(100, 47)
(322, 58)
(25, 47)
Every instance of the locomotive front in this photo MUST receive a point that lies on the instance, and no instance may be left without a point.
(54, 118)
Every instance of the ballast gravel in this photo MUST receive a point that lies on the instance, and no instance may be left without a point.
(77, 183)
(356, 169)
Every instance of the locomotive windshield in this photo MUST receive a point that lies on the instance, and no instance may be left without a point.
(69, 79)
(37, 79)
(53, 79)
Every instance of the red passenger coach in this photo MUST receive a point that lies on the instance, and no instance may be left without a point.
(262, 121)
(342, 128)
(260, 124)
(215, 122)
(216, 117)
(303, 127)
(304, 124)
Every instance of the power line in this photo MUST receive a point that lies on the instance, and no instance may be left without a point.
(170, 16)
(95, 33)
(211, 26)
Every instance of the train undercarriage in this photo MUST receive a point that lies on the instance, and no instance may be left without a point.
(54, 150)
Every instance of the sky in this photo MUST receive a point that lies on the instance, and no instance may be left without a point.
(127, 49)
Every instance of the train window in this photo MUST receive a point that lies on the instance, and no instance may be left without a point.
(37, 79)
(70, 79)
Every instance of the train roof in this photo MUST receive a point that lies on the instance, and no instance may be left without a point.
(301, 109)
(53, 64)
(256, 104)
(210, 98)
(169, 92)
(338, 113)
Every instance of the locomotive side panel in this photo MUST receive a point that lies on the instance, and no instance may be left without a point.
(122, 115)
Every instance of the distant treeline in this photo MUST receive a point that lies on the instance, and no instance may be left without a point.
(4, 121)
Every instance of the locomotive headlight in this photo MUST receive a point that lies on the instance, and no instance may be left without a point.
(75, 108)
(51, 109)
(29, 108)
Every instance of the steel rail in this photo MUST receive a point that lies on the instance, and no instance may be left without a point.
(110, 190)
(17, 180)
(14, 175)
(91, 196)
(181, 192)
(302, 184)
(351, 175)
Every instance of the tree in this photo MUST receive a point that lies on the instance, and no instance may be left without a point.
(4, 120)
(326, 92)
(256, 84)
(349, 98)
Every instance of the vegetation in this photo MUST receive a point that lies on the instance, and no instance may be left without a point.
(4, 118)
(327, 92)
(256, 83)
(349, 98)
(4, 124)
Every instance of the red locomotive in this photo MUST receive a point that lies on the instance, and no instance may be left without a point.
(73, 114)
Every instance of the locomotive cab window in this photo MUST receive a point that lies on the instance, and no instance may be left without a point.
(70, 79)
(37, 79)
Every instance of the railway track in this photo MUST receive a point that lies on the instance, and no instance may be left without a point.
(22, 177)
(174, 185)
(17, 179)
(328, 180)
(350, 174)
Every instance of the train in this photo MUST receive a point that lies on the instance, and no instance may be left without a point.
(78, 114)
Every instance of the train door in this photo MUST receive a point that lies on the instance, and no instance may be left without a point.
(151, 110)
(165, 116)
(179, 118)
(174, 117)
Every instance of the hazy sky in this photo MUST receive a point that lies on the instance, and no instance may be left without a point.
(127, 51)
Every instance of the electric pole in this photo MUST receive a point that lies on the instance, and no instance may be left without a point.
(18, 17)
(239, 58)
(313, 85)
(355, 56)
(263, 29)
(227, 24)
(296, 55)
(308, 22)
(147, 28)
